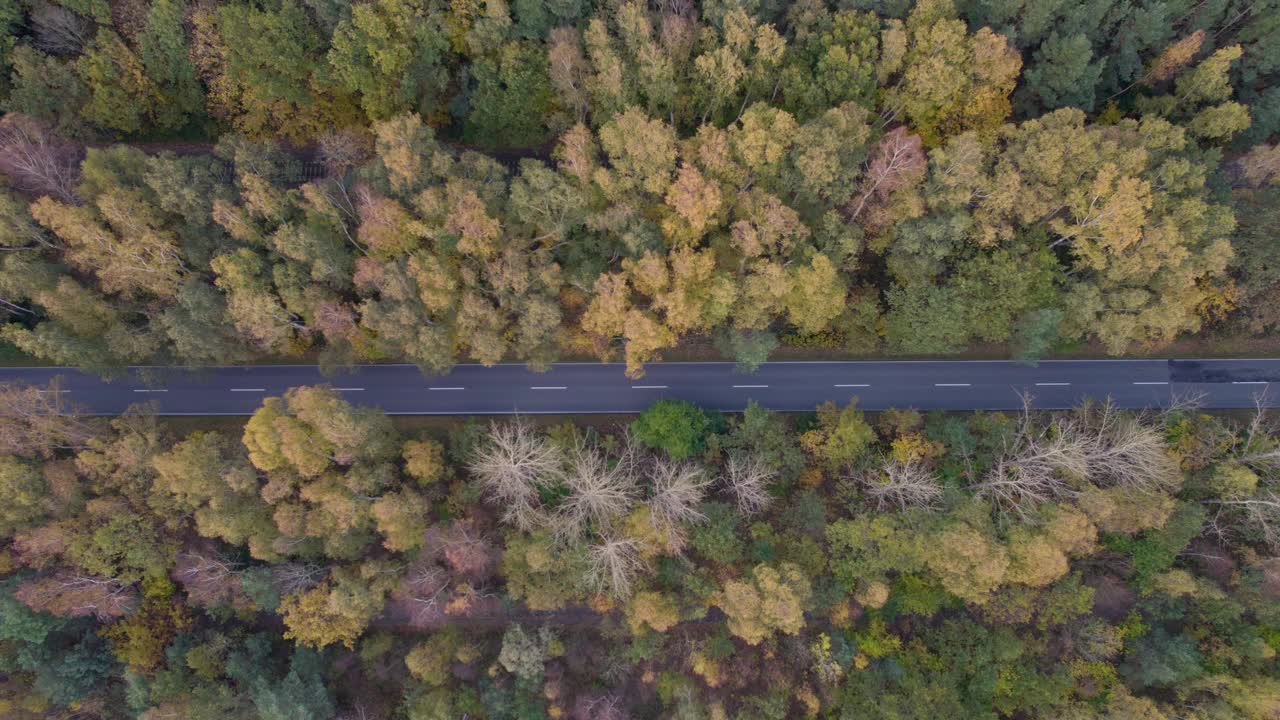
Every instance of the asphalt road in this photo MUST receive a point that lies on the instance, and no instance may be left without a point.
(602, 388)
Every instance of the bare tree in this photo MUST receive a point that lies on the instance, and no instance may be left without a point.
(1257, 450)
(599, 491)
(37, 420)
(1039, 464)
(677, 489)
(1097, 443)
(356, 713)
(38, 162)
(747, 479)
(613, 564)
(1125, 450)
(902, 485)
(511, 464)
(1260, 514)
(463, 549)
(289, 578)
(71, 594)
(568, 69)
(1037, 472)
(58, 30)
(897, 160)
(595, 706)
(1257, 167)
(427, 587)
(209, 578)
(342, 150)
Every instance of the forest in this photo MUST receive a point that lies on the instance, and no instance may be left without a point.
(218, 182)
(430, 182)
(319, 560)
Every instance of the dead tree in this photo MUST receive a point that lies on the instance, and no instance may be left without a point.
(613, 564)
(39, 421)
(599, 491)
(511, 464)
(897, 160)
(897, 485)
(72, 594)
(38, 162)
(746, 479)
(677, 488)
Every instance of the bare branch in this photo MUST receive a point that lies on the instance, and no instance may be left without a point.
(677, 488)
(511, 465)
(39, 420)
(38, 162)
(613, 565)
(1260, 515)
(898, 485)
(289, 578)
(747, 479)
(58, 30)
(70, 594)
(599, 491)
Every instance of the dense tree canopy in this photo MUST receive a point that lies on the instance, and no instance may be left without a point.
(908, 178)
(225, 181)
(323, 560)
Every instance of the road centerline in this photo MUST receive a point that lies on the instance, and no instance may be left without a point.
(591, 387)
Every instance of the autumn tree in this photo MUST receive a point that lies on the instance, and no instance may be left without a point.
(339, 609)
(328, 464)
(771, 601)
(841, 436)
(208, 475)
(1144, 253)
(653, 610)
(951, 81)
